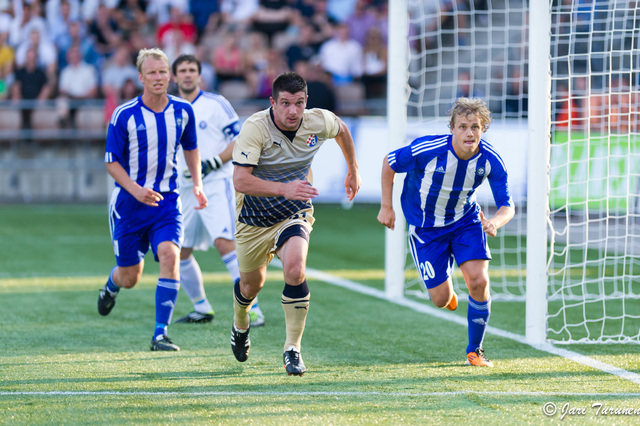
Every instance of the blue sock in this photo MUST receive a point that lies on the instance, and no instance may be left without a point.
(478, 318)
(166, 296)
(111, 286)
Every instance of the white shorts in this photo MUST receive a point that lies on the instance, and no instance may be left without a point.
(217, 220)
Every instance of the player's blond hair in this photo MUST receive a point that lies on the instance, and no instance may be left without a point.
(467, 106)
(154, 53)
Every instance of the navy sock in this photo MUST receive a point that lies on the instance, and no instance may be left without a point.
(166, 296)
(111, 286)
(478, 318)
(296, 291)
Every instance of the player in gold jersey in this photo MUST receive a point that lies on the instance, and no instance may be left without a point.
(272, 160)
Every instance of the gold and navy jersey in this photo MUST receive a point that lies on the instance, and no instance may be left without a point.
(278, 157)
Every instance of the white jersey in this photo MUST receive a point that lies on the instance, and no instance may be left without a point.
(217, 126)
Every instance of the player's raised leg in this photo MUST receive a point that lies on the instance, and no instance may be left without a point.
(476, 277)
(120, 277)
(295, 300)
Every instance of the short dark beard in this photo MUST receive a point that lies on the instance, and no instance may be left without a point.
(188, 92)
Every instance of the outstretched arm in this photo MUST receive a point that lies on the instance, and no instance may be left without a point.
(352, 181)
(387, 216)
(245, 182)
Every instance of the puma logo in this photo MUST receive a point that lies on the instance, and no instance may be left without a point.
(245, 154)
(278, 143)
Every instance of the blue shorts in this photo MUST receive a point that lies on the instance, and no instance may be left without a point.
(434, 249)
(134, 226)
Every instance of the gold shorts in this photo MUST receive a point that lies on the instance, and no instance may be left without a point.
(256, 246)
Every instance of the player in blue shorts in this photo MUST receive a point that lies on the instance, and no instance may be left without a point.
(445, 222)
(142, 144)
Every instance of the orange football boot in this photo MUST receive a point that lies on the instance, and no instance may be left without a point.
(478, 359)
(453, 304)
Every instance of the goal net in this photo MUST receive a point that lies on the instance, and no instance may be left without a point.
(591, 181)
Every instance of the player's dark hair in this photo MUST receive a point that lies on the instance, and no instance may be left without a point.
(290, 82)
(185, 58)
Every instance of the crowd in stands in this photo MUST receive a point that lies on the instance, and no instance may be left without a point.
(74, 50)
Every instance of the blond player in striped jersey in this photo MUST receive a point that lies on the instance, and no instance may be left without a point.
(272, 159)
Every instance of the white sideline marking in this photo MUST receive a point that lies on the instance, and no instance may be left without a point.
(314, 393)
(545, 347)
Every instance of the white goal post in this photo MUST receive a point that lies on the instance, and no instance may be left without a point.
(562, 81)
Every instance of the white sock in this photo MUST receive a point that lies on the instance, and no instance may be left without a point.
(231, 262)
(193, 285)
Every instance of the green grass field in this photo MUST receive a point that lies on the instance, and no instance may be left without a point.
(369, 360)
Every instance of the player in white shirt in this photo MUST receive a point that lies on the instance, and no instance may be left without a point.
(217, 128)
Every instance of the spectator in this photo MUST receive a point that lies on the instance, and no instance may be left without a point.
(7, 58)
(466, 87)
(272, 17)
(361, 21)
(237, 13)
(340, 9)
(130, 15)
(25, 22)
(383, 21)
(105, 32)
(60, 14)
(130, 89)
(321, 21)
(304, 49)
(160, 10)
(319, 88)
(566, 112)
(179, 26)
(47, 54)
(31, 83)
(202, 11)
(342, 57)
(257, 52)
(178, 35)
(260, 80)
(76, 35)
(305, 8)
(517, 99)
(118, 70)
(78, 81)
(374, 67)
(228, 59)
(208, 80)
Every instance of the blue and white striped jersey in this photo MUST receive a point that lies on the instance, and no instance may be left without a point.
(145, 143)
(439, 188)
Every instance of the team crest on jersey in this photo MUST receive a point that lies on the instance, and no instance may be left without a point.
(312, 141)
(203, 124)
(480, 171)
(178, 122)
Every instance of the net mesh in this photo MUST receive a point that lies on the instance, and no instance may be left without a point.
(479, 49)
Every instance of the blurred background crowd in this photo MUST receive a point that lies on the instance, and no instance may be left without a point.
(73, 51)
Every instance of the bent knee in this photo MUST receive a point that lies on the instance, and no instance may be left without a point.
(440, 300)
(480, 282)
(294, 275)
